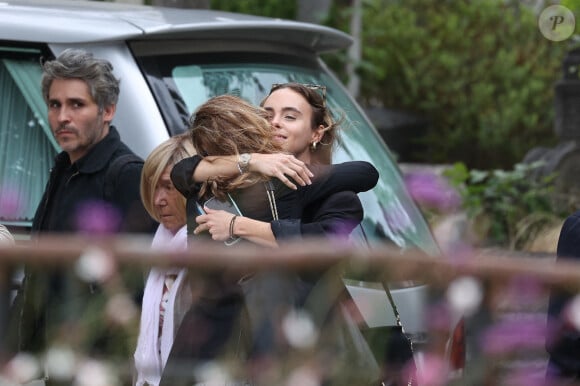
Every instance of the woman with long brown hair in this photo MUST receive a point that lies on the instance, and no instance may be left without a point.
(228, 126)
(305, 128)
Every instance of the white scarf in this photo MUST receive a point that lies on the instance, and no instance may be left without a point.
(148, 363)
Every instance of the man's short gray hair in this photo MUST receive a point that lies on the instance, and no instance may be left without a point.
(80, 64)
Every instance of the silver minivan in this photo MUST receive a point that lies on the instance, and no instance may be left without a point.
(170, 61)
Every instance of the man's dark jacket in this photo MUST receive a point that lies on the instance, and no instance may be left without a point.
(50, 299)
(83, 183)
(563, 343)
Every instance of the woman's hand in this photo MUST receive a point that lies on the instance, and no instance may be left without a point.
(216, 222)
(281, 166)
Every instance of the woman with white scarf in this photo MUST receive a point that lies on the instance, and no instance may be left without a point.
(167, 293)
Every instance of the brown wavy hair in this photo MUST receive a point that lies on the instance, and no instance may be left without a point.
(228, 125)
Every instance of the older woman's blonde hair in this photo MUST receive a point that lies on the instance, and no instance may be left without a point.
(229, 125)
(168, 153)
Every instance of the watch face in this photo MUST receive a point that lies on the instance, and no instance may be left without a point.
(245, 159)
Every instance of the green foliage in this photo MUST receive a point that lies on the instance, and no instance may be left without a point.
(479, 70)
(269, 8)
(574, 7)
(501, 203)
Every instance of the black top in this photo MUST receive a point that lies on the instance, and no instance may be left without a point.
(71, 187)
(563, 343)
(355, 176)
(335, 215)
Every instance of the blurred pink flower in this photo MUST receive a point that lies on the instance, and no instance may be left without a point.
(98, 217)
(514, 334)
(433, 371)
(438, 316)
(432, 191)
(526, 376)
(524, 290)
(10, 203)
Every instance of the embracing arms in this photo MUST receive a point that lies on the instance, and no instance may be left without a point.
(337, 215)
(333, 201)
(331, 207)
(190, 172)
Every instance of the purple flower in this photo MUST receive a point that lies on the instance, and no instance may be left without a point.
(98, 217)
(524, 290)
(433, 372)
(439, 316)
(10, 202)
(432, 191)
(514, 334)
(526, 376)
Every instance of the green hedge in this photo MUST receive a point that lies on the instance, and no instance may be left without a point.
(480, 71)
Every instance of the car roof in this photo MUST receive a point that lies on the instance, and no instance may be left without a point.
(80, 21)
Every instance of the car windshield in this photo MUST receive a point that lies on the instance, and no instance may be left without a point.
(390, 214)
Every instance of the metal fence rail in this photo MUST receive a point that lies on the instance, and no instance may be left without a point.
(391, 262)
(495, 273)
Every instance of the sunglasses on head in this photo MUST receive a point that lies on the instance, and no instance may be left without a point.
(311, 86)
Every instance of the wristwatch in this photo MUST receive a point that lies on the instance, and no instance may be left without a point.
(244, 162)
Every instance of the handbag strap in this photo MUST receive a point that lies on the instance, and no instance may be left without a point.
(271, 198)
(393, 305)
(386, 288)
(411, 380)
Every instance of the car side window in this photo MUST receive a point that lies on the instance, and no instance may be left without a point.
(27, 147)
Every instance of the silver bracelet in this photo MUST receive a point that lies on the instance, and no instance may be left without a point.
(232, 221)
